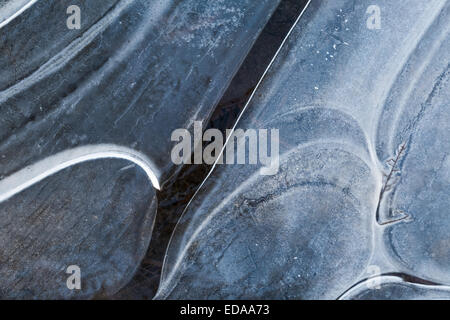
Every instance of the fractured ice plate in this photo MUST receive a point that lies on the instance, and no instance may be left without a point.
(103, 229)
(135, 71)
(396, 288)
(363, 120)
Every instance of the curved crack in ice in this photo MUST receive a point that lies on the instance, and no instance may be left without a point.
(166, 285)
(392, 277)
(17, 13)
(424, 64)
(67, 54)
(42, 169)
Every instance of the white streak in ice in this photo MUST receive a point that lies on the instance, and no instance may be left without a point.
(17, 13)
(42, 169)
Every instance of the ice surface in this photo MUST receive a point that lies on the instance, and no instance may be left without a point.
(396, 288)
(363, 116)
(134, 72)
(104, 229)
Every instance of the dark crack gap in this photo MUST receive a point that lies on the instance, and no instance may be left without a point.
(182, 186)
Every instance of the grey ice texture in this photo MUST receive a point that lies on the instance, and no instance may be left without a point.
(364, 122)
(134, 72)
(391, 287)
